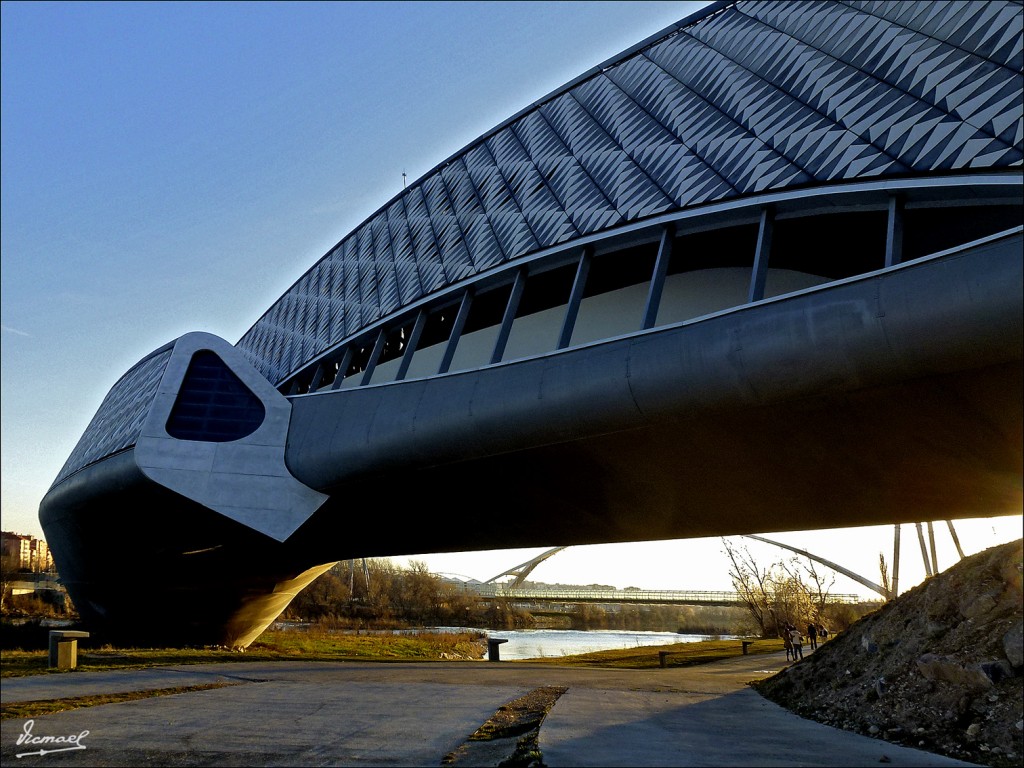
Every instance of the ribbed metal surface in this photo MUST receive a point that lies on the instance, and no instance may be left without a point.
(760, 96)
(119, 420)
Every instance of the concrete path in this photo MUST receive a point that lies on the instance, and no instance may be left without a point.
(301, 713)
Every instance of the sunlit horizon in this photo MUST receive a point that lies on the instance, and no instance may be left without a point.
(700, 564)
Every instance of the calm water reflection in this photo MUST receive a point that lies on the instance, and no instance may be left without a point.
(541, 643)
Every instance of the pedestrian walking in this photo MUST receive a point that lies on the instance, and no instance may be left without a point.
(812, 636)
(798, 644)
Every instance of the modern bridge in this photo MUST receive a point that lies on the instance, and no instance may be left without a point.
(751, 274)
(626, 596)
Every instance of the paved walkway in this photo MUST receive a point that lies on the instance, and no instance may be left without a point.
(285, 713)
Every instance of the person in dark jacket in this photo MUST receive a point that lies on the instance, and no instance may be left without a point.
(812, 635)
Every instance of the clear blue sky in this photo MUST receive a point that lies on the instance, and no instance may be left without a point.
(170, 167)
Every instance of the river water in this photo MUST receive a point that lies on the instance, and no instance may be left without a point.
(541, 643)
(544, 643)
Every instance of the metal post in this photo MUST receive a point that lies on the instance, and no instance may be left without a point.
(410, 344)
(896, 561)
(575, 298)
(956, 539)
(658, 278)
(924, 550)
(317, 376)
(894, 232)
(761, 254)
(457, 326)
(931, 540)
(378, 347)
(346, 361)
(509, 317)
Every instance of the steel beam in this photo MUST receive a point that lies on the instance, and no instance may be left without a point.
(456, 334)
(762, 253)
(346, 361)
(894, 231)
(411, 344)
(509, 317)
(378, 348)
(658, 278)
(572, 310)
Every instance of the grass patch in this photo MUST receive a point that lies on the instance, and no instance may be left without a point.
(273, 645)
(29, 709)
(323, 645)
(646, 657)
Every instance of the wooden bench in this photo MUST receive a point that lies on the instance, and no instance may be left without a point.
(494, 648)
(663, 655)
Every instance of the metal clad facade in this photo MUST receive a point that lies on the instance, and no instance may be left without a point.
(761, 96)
(118, 422)
(753, 97)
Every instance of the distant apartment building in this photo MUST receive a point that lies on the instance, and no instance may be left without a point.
(28, 552)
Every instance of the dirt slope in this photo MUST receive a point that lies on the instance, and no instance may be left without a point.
(940, 668)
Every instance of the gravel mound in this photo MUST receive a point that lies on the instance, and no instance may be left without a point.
(939, 668)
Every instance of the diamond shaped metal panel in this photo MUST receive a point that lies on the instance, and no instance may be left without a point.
(119, 420)
(758, 97)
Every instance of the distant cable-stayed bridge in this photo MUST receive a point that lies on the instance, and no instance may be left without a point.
(584, 595)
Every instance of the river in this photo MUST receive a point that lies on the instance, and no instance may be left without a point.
(540, 643)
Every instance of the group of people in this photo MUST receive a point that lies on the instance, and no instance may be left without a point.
(793, 639)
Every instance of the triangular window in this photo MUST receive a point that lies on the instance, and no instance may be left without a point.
(213, 404)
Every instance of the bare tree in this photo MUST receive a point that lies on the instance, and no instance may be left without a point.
(752, 585)
(9, 569)
(883, 573)
(815, 584)
(781, 593)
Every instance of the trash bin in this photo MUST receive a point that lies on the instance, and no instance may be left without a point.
(493, 645)
(64, 648)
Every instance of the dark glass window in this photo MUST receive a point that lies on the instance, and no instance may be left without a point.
(726, 247)
(438, 326)
(930, 230)
(833, 245)
(620, 269)
(547, 289)
(487, 309)
(213, 404)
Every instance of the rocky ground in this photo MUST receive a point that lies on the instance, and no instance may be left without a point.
(940, 668)
(509, 739)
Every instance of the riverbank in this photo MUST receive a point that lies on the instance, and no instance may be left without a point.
(318, 645)
(273, 645)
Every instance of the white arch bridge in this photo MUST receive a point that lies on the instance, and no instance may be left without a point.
(642, 596)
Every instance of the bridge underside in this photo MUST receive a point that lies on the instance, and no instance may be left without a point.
(812, 463)
(892, 397)
(855, 404)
